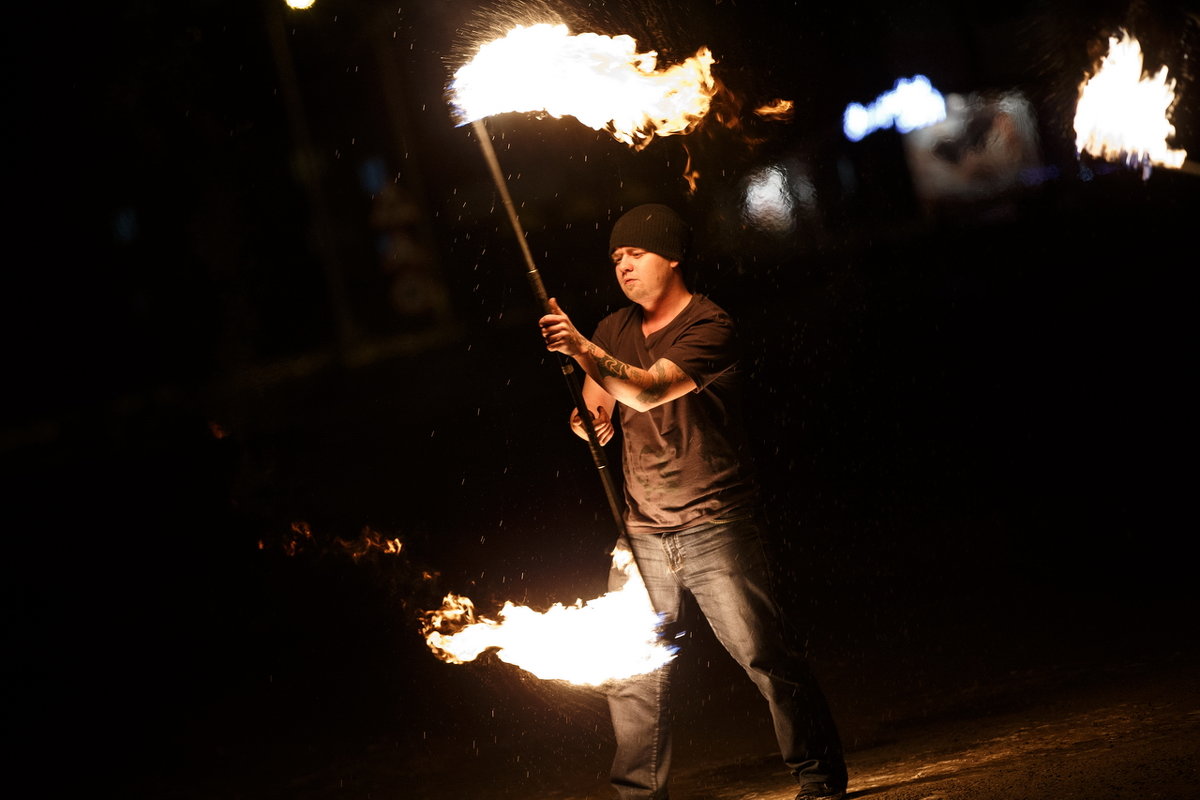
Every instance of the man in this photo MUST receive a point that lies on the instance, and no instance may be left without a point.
(669, 362)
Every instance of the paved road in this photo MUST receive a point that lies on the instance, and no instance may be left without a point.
(1124, 732)
(958, 711)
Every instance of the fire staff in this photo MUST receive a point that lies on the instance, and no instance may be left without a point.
(668, 364)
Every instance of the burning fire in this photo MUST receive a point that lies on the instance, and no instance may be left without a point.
(370, 540)
(612, 637)
(602, 81)
(776, 109)
(300, 537)
(1123, 113)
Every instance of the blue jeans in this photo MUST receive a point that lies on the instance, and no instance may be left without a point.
(723, 568)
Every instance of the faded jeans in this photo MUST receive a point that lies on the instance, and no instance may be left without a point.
(723, 567)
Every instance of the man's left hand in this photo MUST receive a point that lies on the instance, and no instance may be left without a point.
(560, 335)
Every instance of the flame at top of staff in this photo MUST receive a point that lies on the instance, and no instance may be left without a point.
(1124, 113)
(602, 81)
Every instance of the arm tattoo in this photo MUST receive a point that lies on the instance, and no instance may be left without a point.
(608, 366)
(658, 379)
(661, 375)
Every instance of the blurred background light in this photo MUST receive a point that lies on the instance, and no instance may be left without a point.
(912, 103)
(773, 196)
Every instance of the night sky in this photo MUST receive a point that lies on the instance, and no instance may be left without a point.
(258, 284)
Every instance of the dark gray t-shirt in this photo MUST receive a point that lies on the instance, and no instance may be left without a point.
(685, 462)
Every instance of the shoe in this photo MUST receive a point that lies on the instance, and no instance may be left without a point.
(820, 791)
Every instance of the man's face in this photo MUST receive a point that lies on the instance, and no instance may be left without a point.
(643, 275)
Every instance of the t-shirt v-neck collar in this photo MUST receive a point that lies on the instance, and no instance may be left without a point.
(646, 337)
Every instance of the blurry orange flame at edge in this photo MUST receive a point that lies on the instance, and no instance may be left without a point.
(1125, 114)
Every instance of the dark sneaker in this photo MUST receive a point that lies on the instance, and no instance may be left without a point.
(820, 791)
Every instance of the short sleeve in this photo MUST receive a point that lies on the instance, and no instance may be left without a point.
(705, 349)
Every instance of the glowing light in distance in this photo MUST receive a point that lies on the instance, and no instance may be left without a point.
(912, 103)
(300, 5)
(773, 195)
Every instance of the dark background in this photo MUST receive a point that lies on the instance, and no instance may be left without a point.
(262, 306)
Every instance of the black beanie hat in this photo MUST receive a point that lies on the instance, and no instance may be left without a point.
(652, 227)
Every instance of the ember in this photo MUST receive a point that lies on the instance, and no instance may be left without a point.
(777, 109)
(602, 81)
(369, 541)
(588, 644)
(1124, 114)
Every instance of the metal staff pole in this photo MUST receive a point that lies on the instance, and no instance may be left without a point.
(567, 364)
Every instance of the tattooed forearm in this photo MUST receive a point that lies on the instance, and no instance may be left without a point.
(661, 375)
(610, 367)
(642, 389)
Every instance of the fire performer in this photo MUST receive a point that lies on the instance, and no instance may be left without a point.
(669, 362)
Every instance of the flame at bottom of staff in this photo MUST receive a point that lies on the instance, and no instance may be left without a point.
(613, 637)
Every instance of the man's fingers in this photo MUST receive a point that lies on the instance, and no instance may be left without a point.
(603, 425)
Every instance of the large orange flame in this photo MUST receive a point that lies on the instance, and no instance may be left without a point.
(1124, 114)
(612, 637)
(602, 81)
